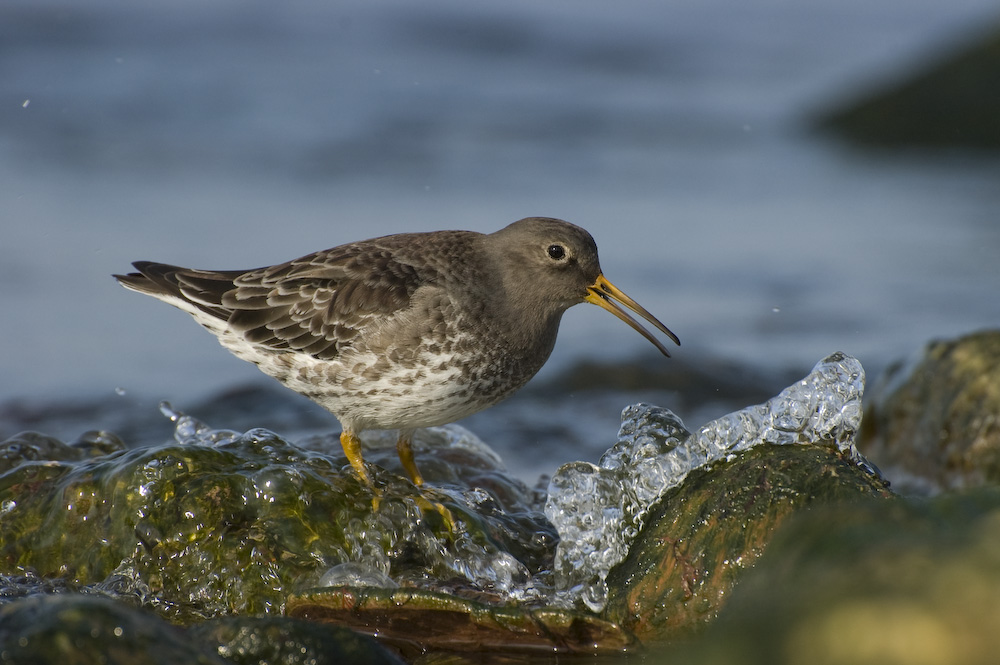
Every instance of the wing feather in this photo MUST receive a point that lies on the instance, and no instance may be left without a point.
(319, 304)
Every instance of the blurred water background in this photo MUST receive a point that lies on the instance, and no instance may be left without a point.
(234, 134)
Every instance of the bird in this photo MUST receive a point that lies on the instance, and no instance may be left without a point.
(403, 331)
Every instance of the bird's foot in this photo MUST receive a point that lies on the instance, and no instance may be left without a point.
(428, 504)
(428, 499)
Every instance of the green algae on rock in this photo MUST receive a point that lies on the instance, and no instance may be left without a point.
(938, 420)
(703, 535)
(232, 524)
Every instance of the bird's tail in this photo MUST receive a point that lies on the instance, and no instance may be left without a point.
(198, 292)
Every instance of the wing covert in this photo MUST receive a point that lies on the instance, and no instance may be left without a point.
(320, 303)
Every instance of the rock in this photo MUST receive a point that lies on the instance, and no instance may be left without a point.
(953, 102)
(599, 509)
(240, 528)
(77, 629)
(417, 621)
(228, 523)
(892, 582)
(938, 419)
(281, 641)
(702, 536)
(691, 382)
(84, 629)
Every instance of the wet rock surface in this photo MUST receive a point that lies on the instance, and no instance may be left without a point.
(283, 641)
(74, 628)
(706, 533)
(935, 422)
(226, 523)
(234, 534)
(415, 621)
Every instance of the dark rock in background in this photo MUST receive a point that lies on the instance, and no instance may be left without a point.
(78, 629)
(936, 422)
(954, 102)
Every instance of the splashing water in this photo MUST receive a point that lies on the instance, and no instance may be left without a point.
(599, 509)
(191, 431)
(379, 544)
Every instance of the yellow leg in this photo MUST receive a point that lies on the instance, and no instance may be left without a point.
(405, 451)
(352, 448)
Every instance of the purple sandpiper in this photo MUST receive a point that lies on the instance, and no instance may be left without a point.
(403, 331)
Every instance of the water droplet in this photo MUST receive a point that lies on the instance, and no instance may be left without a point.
(167, 409)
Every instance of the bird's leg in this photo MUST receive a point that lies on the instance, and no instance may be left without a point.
(405, 450)
(352, 448)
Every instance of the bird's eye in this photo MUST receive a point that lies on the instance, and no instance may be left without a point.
(556, 252)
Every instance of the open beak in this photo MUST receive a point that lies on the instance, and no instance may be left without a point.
(605, 294)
